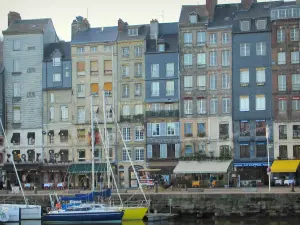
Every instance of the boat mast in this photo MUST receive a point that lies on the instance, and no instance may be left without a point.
(93, 145)
(14, 165)
(106, 143)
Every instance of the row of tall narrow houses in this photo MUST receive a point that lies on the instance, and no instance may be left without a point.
(220, 86)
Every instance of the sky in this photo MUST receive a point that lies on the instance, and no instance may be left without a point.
(99, 12)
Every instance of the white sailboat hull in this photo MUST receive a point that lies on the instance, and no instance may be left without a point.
(17, 212)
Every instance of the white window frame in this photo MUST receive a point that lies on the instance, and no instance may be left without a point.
(188, 106)
(139, 133)
(244, 76)
(161, 47)
(171, 129)
(125, 70)
(213, 106)
(261, 24)
(282, 105)
(260, 102)
(294, 34)
(213, 38)
(296, 82)
(225, 58)
(138, 109)
(201, 38)
(137, 89)
(245, 49)
(261, 48)
(155, 89)
(187, 38)
(188, 83)
(94, 49)
(133, 32)
(245, 25)
(125, 90)
(244, 103)
(201, 82)
(213, 82)
(81, 90)
(295, 57)
(201, 59)
(139, 154)
(281, 80)
(51, 112)
(201, 106)
(225, 81)
(126, 132)
(281, 57)
(16, 114)
(295, 104)
(52, 98)
(155, 129)
(56, 77)
(125, 52)
(80, 49)
(16, 66)
(280, 35)
(64, 112)
(16, 45)
(126, 110)
(125, 157)
(260, 75)
(16, 90)
(81, 115)
(213, 58)
(155, 70)
(137, 51)
(225, 105)
(193, 18)
(170, 68)
(225, 38)
(170, 88)
(188, 60)
(56, 61)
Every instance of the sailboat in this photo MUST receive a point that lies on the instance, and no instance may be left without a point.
(86, 212)
(18, 212)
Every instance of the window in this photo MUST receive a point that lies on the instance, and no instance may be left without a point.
(280, 35)
(245, 25)
(294, 34)
(282, 132)
(187, 39)
(260, 102)
(281, 58)
(244, 77)
(260, 129)
(225, 105)
(283, 153)
(295, 104)
(224, 130)
(245, 49)
(80, 90)
(193, 18)
(244, 151)
(201, 59)
(296, 131)
(170, 69)
(161, 47)
(225, 58)
(31, 70)
(170, 88)
(138, 109)
(93, 49)
(138, 69)
(261, 48)
(51, 112)
(172, 151)
(81, 155)
(155, 70)
(63, 135)
(16, 45)
(188, 150)
(294, 57)
(56, 77)
(188, 83)
(107, 67)
(107, 48)
(188, 60)
(260, 76)
(188, 131)
(56, 61)
(94, 67)
(225, 81)
(213, 38)
(281, 82)
(138, 89)
(213, 82)
(52, 98)
(125, 110)
(261, 149)
(125, 70)
(80, 68)
(16, 66)
(133, 32)
(212, 58)
(244, 128)
(94, 88)
(139, 133)
(155, 129)
(155, 89)
(244, 103)
(30, 94)
(282, 105)
(213, 106)
(296, 82)
(125, 52)
(171, 129)
(137, 51)
(261, 24)
(201, 37)
(201, 82)
(126, 133)
(125, 154)
(81, 114)
(201, 106)
(125, 90)
(16, 114)
(17, 90)
(188, 106)
(201, 131)
(225, 38)
(80, 49)
(139, 154)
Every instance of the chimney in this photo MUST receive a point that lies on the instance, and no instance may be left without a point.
(154, 29)
(79, 24)
(210, 8)
(12, 17)
(121, 25)
(247, 3)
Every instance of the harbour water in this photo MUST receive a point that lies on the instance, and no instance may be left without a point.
(193, 221)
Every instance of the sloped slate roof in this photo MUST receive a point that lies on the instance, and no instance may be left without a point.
(63, 47)
(28, 25)
(186, 10)
(142, 33)
(96, 35)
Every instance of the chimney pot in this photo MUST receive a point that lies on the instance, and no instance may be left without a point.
(210, 8)
(247, 3)
(12, 17)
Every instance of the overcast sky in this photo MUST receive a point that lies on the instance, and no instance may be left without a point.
(99, 12)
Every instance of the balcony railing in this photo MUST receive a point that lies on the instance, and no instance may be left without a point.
(132, 118)
(163, 113)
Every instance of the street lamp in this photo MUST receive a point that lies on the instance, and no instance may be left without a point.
(268, 149)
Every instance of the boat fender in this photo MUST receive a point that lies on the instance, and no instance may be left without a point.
(56, 155)
(4, 215)
(48, 209)
(23, 156)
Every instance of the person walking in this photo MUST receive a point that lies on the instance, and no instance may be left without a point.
(293, 185)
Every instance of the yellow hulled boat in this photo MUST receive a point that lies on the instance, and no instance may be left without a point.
(134, 213)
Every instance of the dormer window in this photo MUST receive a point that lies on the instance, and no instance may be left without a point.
(245, 25)
(56, 62)
(193, 18)
(161, 47)
(133, 32)
(261, 24)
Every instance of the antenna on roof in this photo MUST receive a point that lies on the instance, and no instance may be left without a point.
(87, 13)
(162, 16)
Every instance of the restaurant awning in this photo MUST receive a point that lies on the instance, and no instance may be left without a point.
(82, 168)
(285, 166)
(214, 166)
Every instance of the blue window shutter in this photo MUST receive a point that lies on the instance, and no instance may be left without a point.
(177, 129)
(149, 151)
(149, 130)
(177, 150)
(162, 129)
(163, 151)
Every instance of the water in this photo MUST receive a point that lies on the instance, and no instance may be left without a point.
(193, 221)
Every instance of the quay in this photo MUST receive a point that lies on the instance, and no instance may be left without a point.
(218, 202)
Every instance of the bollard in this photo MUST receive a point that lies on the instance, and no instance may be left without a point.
(35, 190)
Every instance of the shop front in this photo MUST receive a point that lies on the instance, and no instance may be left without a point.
(285, 171)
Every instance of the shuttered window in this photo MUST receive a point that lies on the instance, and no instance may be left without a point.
(107, 67)
(107, 86)
(94, 88)
(80, 66)
(93, 65)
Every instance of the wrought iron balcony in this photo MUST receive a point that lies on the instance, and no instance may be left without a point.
(163, 113)
(132, 118)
